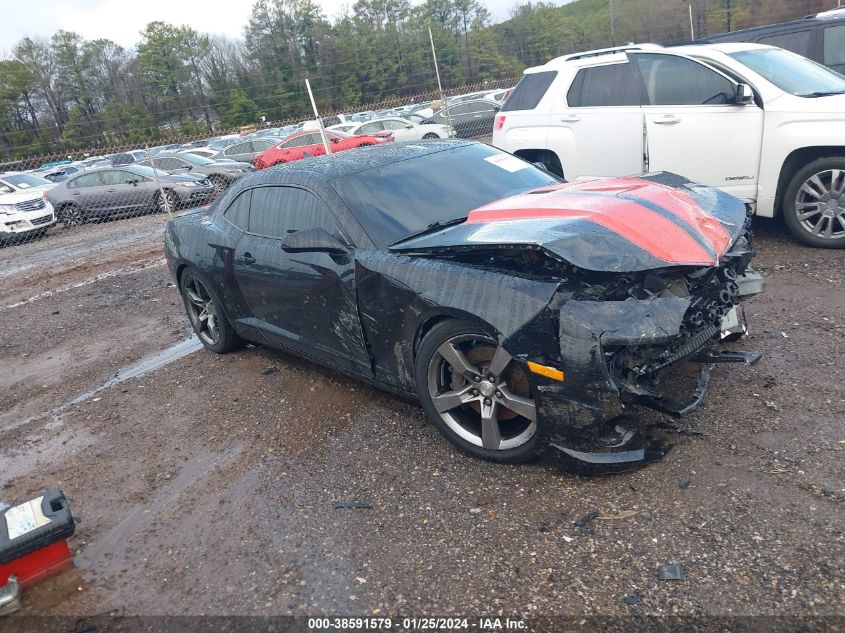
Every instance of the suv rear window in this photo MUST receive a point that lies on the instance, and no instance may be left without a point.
(529, 91)
(610, 85)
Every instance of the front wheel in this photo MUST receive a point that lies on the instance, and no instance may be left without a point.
(430, 136)
(476, 395)
(814, 203)
(206, 315)
(219, 184)
(167, 202)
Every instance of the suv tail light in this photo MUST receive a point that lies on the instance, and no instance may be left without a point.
(500, 121)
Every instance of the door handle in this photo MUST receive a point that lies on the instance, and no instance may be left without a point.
(669, 119)
(248, 259)
(110, 190)
(570, 118)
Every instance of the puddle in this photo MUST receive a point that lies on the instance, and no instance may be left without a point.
(141, 368)
(129, 270)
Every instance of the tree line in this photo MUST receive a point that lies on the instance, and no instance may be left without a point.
(65, 93)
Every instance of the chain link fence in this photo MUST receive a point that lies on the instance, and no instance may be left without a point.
(46, 194)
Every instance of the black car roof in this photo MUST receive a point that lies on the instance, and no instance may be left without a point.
(353, 161)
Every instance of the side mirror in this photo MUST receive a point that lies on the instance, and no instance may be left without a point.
(132, 181)
(314, 241)
(744, 94)
(334, 139)
(5, 189)
(409, 126)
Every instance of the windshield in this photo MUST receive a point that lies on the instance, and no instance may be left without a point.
(195, 160)
(395, 201)
(147, 172)
(25, 181)
(792, 73)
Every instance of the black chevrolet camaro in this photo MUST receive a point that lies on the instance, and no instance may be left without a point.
(527, 315)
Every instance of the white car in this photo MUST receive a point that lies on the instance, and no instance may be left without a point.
(759, 122)
(12, 181)
(403, 129)
(23, 214)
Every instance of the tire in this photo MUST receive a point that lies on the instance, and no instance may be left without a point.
(430, 136)
(206, 314)
(71, 215)
(165, 200)
(814, 203)
(454, 396)
(219, 183)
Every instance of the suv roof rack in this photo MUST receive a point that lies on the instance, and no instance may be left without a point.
(609, 51)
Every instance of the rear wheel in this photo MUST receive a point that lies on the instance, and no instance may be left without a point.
(429, 136)
(210, 324)
(476, 394)
(71, 215)
(814, 203)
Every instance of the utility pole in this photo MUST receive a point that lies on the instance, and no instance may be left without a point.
(612, 22)
(728, 14)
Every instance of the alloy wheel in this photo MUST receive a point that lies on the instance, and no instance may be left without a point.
(219, 185)
(480, 394)
(72, 216)
(820, 204)
(167, 202)
(202, 311)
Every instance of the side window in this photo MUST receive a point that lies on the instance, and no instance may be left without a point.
(834, 47)
(238, 211)
(167, 163)
(86, 180)
(240, 148)
(529, 91)
(797, 41)
(462, 108)
(277, 211)
(260, 146)
(672, 80)
(605, 86)
(114, 177)
(394, 124)
(369, 128)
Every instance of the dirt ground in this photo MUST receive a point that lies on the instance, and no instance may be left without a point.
(206, 484)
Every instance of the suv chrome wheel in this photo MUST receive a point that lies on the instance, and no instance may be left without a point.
(820, 204)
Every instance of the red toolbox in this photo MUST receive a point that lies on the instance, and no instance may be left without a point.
(33, 537)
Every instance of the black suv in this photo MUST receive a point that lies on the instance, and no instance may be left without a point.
(819, 37)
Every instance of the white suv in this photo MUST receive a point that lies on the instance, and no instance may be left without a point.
(759, 122)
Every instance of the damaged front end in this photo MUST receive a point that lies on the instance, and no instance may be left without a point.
(648, 339)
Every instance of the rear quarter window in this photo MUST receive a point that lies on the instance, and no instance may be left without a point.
(529, 91)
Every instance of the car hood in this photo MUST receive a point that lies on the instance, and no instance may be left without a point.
(653, 221)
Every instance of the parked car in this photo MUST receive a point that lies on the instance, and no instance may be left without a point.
(820, 37)
(12, 181)
(127, 158)
(523, 313)
(304, 144)
(100, 194)
(199, 151)
(172, 147)
(469, 119)
(220, 174)
(761, 123)
(224, 142)
(245, 151)
(24, 213)
(403, 129)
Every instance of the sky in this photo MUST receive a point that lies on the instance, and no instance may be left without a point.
(122, 20)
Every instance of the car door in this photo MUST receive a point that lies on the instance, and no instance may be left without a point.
(695, 128)
(120, 194)
(85, 191)
(402, 130)
(260, 145)
(305, 301)
(461, 117)
(596, 126)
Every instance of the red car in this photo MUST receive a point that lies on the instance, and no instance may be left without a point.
(310, 143)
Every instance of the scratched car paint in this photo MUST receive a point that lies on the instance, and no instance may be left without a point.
(528, 316)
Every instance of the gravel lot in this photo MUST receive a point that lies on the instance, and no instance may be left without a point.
(207, 485)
